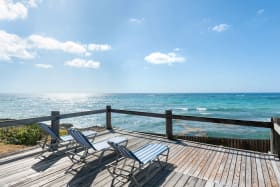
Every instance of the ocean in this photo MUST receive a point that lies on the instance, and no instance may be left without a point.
(247, 106)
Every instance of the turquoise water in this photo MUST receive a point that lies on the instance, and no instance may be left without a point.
(235, 105)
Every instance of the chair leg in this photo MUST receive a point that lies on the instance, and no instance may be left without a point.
(167, 154)
(134, 180)
(45, 142)
(85, 154)
(148, 170)
(100, 158)
(158, 161)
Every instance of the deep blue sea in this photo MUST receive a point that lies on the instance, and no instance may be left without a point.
(253, 106)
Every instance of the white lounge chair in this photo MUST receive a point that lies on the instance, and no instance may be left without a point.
(68, 139)
(141, 158)
(87, 145)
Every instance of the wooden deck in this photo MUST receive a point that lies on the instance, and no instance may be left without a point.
(190, 164)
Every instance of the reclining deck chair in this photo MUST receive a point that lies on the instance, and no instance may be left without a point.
(68, 139)
(145, 156)
(86, 145)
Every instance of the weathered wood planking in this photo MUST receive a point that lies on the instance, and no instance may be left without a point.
(190, 164)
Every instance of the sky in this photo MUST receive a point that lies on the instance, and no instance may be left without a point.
(139, 46)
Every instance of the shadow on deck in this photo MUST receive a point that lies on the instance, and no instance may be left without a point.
(190, 164)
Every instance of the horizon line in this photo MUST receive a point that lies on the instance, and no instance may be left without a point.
(132, 92)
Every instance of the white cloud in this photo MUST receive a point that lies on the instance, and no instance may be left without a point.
(33, 3)
(48, 43)
(260, 11)
(177, 49)
(99, 47)
(136, 20)
(44, 66)
(10, 10)
(81, 63)
(164, 58)
(221, 27)
(88, 54)
(13, 46)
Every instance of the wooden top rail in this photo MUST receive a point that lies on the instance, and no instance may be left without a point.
(77, 114)
(25, 121)
(137, 113)
(225, 121)
(196, 118)
(48, 118)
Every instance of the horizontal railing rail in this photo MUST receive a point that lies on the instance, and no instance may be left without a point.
(8, 123)
(78, 114)
(138, 113)
(262, 124)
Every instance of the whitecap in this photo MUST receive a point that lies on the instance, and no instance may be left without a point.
(184, 108)
(201, 109)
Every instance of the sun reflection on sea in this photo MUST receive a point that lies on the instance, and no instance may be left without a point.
(69, 97)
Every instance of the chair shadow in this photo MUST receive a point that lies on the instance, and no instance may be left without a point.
(47, 161)
(159, 178)
(155, 178)
(89, 171)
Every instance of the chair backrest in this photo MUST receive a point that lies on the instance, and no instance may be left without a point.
(49, 131)
(80, 138)
(123, 151)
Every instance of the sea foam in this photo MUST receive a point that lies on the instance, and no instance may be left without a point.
(201, 109)
(184, 108)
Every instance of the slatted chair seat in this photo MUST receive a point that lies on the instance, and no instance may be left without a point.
(86, 145)
(144, 156)
(104, 144)
(87, 133)
(149, 152)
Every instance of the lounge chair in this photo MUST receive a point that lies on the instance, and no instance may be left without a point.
(87, 145)
(68, 139)
(141, 158)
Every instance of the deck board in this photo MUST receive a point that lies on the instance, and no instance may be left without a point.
(190, 164)
(221, 167)
(242, 174)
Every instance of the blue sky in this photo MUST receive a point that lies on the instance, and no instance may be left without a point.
(139, 46)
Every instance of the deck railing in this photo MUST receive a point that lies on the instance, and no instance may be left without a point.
(55, 117)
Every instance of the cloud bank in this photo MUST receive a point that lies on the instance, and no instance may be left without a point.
(10, 10)
(48, 43)
(14, 46)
